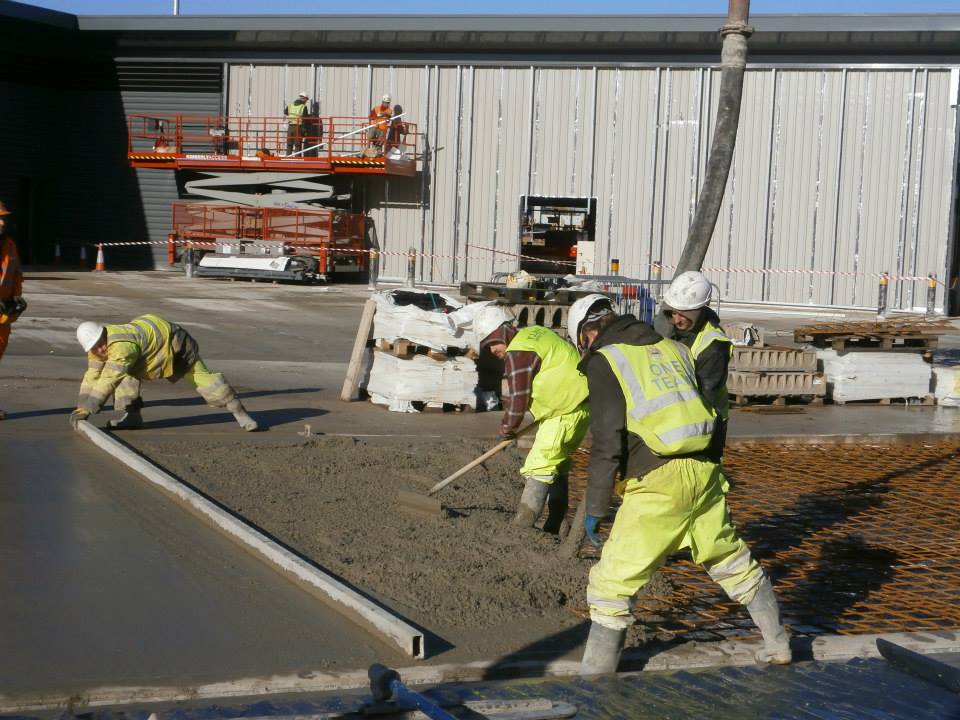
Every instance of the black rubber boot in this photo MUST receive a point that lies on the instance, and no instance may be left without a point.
(131, 420)
(531, 502)
(602, 654)
(558, 500)
(765, 612)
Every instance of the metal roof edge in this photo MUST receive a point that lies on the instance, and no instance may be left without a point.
(32, 13)
(518, 23)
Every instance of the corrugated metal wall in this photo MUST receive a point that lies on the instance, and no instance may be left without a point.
(153, 88)
(837, 170)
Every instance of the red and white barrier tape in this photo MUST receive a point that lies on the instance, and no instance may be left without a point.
(407, 254)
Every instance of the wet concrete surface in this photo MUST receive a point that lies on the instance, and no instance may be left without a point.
(162, 609)
(105, 581)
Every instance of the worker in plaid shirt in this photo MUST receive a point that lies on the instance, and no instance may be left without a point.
(542, 378)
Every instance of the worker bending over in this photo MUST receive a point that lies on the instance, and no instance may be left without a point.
(650, 422)
(119, 357)
(692, 322)
(542, 377)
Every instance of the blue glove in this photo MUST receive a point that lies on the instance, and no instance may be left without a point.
(591, 524)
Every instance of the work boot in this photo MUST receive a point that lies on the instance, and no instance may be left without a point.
(558, 500)
(765, 612)
(602, 653)
(240, 413)
(531, 502)
(131, 420)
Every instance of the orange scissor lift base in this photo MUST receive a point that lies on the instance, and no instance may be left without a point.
(327, 235)
(337, 145)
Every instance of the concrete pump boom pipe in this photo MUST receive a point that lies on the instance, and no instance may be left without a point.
(733, 61)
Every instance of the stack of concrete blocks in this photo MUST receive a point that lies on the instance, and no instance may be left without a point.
(777, 372)
(420, 356)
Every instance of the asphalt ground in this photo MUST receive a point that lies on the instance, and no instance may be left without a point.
(161, 607)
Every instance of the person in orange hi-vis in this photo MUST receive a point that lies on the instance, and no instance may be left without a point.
(12, 303)
(379, 120)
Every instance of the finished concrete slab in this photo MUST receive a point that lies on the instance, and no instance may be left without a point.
(105, 581)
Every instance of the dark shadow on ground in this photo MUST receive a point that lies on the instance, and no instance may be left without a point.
(197, 400)
(530, 660)
(39, 413)
(266, 418)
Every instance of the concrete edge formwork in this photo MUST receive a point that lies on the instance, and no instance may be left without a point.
(689, 656)
(342, 597)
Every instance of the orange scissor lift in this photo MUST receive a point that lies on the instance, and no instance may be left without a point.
(244, 238)
(227, 240)
(324, 145)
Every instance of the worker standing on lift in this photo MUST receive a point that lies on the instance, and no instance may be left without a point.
(295, 112)
(119, 357)
(650, 422)
(12, 303)
(379, 121)
(542, 377)
(686, 305)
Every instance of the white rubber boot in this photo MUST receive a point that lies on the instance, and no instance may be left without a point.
(531, 502)
(243, 419)
(765, 612)
(602, 654)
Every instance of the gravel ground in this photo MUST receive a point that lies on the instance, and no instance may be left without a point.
(471, 577)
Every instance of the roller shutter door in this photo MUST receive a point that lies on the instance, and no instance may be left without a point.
(165, 88)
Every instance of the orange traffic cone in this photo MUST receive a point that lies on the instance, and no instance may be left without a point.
(56, 254)
(101, 265)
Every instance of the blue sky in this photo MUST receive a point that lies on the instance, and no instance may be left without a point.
(554, 7)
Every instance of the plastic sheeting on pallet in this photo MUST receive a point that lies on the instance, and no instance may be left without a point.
(399, 382)
(397, 319)
(945, 388)
(864, 375)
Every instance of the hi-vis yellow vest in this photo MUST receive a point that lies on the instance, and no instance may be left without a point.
(295, 112)
(558, 387)
(663, 405)
(152, 336)
(711, 333)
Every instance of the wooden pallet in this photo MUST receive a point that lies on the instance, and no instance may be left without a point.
(926, 400)
(884, 343)
(741, 400)
(888, 335)
(406, 349)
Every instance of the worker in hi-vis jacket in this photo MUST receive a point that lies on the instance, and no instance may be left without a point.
(12, 303)
(687, 318)
(119, 357)
(650, 423)
(542, 377)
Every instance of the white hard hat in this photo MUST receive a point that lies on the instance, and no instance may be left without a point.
(579, 312)
(89, 334)
(688, 291)
(385, 99)
(489, 319)
(303, 94)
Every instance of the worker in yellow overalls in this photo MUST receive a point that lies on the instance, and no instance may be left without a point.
(650, 422)
(119, 357)
(542, 378)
